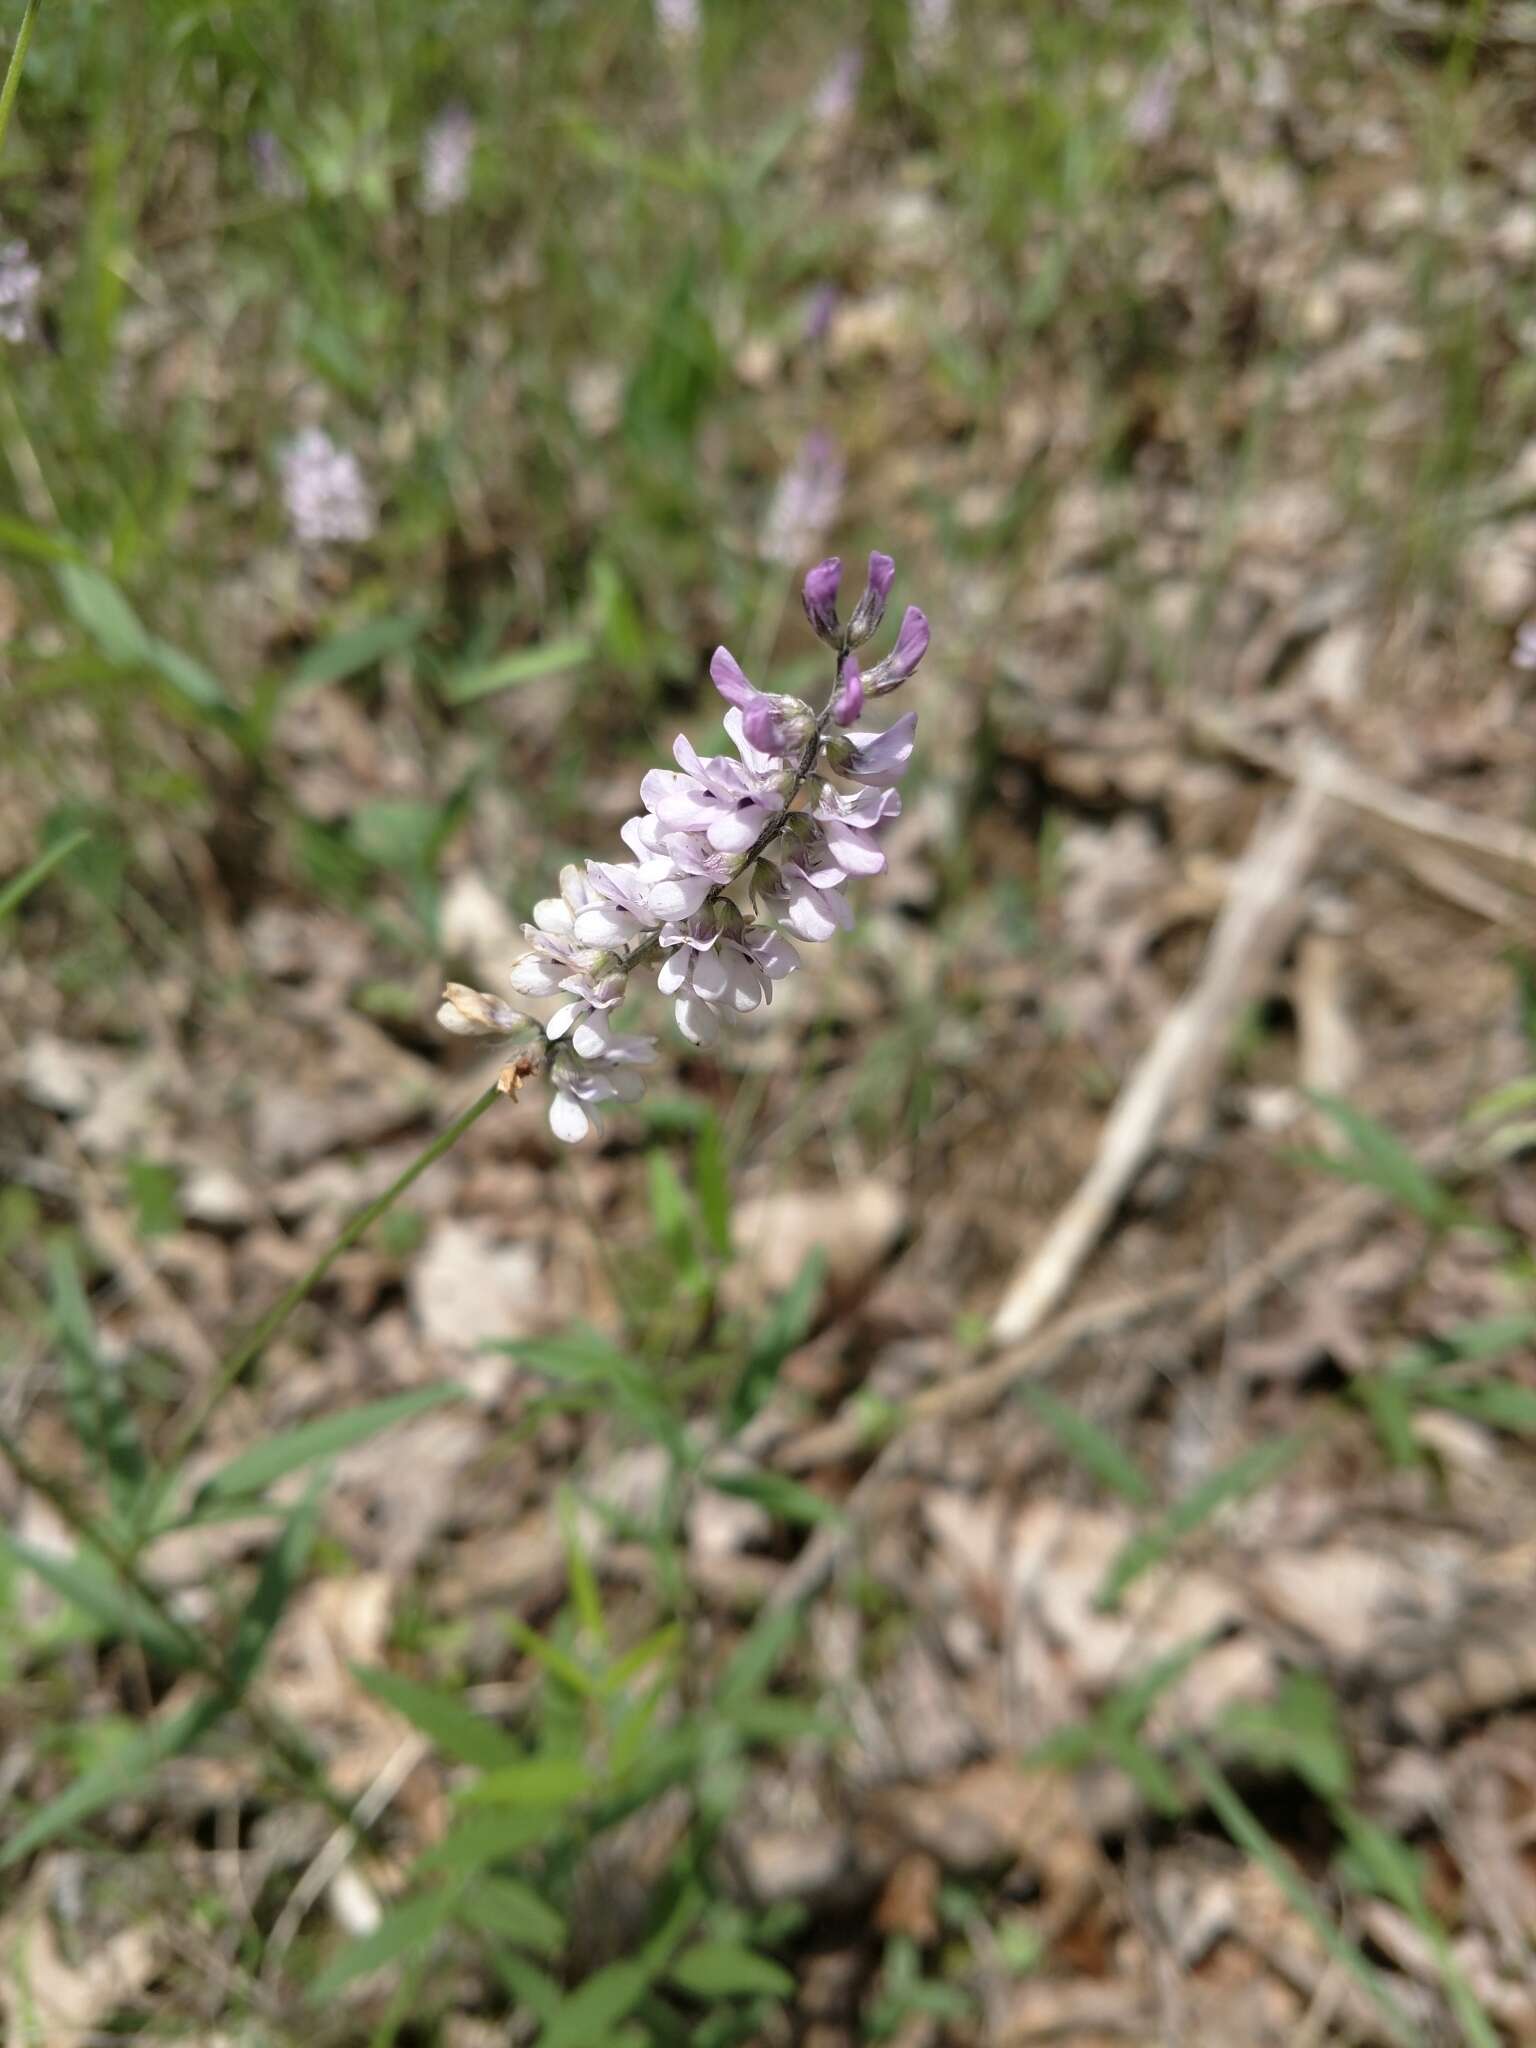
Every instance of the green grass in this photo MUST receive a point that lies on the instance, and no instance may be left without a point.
(573, 398)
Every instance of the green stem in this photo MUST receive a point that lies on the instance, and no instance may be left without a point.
(252, 1346)
(12, 83)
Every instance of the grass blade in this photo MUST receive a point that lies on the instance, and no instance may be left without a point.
(1092, 1448)
(1245, 1475)
(457, 1730)
(119, 1774)
(258, 1467)
(19, 889)
(1254, 1840)
(85, 1584)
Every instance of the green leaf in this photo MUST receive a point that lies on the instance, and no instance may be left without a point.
(751, 1665)
(523, 665)
(401, 833)
(712, 1186)
(672, 1220)
(17, 537)
(561, 1666)
(1388, 1398)
(456, 1730)
(478, 1839)
(153, 1188)
(21, 886)
(589, 2014)
(1378, 1159)
(582, 1358)
(789, 1321)
(186, 676)
(1245, 1475)
(403, 1930)
(783, 1497)
(724, 1969)
(513, 1911)
(281, 1570)
(1299, 1730)
(106, 617)
(542, 1779)
(116, 1777)
(347, 654)
(1502, 1404)
(293, 1448)
(1092, 1448)
(103, 614)
(98, 1407)
(87, 1583)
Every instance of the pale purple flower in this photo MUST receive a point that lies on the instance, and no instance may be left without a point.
(714, 964)
(768, 824)
(1524, 654)
(849, 701)
(581, 1084)
(903, 660)
(720, 798)
(774, 725)
(20, 279)
(804, 896)
(447, 151)
(834, 99)
(804, 502)
(848, 824)
(324, 491)
(870, 609)
(878, 758)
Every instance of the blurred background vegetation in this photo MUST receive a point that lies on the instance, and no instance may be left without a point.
(397, 405)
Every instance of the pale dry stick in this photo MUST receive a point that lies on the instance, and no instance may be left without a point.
(1420, 818)
(1332, 1223)
(331, 1858)
(1263, 907)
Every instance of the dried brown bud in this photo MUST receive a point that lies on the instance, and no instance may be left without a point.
(512, 1076)
(471, 1013)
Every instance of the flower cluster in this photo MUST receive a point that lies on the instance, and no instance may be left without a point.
(734, 857)
(324, 491)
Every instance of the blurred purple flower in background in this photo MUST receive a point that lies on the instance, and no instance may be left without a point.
(447, 151)
(805, 502)
(1524, 651)
(678, 20)
(1149, 112)
(324, 491)
(20, 278)
(272, 167)
(837, 95)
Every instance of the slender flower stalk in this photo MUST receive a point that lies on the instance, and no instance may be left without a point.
(734, 858)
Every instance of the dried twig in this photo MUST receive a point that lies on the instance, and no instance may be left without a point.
(1261, 912)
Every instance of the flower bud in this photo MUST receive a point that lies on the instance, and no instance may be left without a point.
(870, 609)
(819, 596)
(471, 1013)
(849, 701)
(901, 662)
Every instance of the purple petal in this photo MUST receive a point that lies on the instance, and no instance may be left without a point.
(850, 692)
(819, 596)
